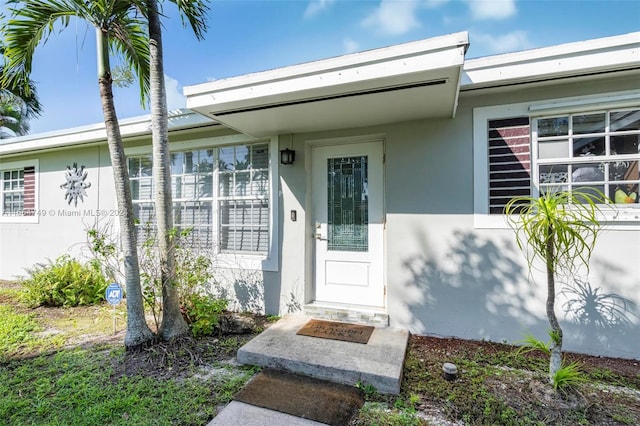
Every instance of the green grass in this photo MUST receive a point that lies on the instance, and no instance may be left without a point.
(76, 387)
(377, 413)
(18, 334)
(42, 384)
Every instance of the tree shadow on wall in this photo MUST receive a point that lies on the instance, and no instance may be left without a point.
(249, 291)
(605, 321)
(476, 290)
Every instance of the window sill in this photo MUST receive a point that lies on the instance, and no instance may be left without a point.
(622, 218)
(254, 262)
(19, 219)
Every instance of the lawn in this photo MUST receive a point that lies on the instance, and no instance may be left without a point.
(66, 366)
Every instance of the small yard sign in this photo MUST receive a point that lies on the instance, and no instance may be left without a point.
(114, 294)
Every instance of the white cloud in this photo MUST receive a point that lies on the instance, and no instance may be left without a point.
(175, 98)
(511, 42)
(393, 17)
(316, 6)
(350, 45)
(492, 9)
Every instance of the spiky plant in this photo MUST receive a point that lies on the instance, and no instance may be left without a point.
(560, 228)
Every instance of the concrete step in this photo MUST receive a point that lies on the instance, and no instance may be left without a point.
(356, 314)
(378, 363)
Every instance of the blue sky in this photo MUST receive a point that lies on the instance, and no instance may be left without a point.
(248, 36)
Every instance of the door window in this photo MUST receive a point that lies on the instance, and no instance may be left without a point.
(348, 204)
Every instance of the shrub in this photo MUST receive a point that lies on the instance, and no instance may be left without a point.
(64, 282)
(202, 313)
(193, 273)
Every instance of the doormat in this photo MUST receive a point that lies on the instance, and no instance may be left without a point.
(337, 331)
(301, 396)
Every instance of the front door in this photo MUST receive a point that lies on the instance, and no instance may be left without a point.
(348, 223)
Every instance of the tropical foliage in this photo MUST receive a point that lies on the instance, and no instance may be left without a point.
(17, 104)
(64, 282)
(559, 228)
(120, 30)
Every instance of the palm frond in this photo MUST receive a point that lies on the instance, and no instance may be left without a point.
(30, 24)
(195, 13)
(128, 37)
(569, 219)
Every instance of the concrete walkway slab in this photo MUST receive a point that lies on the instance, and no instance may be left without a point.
(378, 363)
(240, 414)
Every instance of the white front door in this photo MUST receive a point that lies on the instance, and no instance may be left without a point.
(348, 223)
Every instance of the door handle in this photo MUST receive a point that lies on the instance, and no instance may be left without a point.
(318, 236)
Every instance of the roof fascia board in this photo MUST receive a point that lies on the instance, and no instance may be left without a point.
(332, 66)
(571, 59)
(343, 81)
(131, 127)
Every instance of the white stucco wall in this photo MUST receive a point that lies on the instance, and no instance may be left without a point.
(445, 276)
(449, 278)
(61, 227)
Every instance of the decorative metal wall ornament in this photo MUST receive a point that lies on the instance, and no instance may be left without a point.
(76, 184)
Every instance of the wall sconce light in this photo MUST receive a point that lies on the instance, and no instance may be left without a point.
(287, 156)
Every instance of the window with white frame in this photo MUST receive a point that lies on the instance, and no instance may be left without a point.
(220, 194)
(243, 198)
(521, 150)
(589, 150)
(18, 190)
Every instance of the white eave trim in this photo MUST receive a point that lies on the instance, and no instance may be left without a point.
(571, 59)
(349, 71)
(135, 126)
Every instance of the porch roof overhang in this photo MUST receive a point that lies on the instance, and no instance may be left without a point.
(583, 60)
(399, 83)
(179, 120)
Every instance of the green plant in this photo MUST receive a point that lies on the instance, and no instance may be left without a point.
(369, 391)
(567, 376)
(407, 404)
(65, 282)
(531, 343)
(272, 318)
(559, 227)
(103, 249)
(377, 413)
(202, 313)
(193, 273)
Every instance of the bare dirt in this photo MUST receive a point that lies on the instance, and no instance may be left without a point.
(610, 394)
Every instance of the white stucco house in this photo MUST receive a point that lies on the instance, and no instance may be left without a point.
(390, 211)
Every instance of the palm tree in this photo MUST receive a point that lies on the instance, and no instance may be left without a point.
(173, 324)
(117, 28)
(560, 228)
(12, 119)
(17, 105)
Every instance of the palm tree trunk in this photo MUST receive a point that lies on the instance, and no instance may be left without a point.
(138, 332)
(173, 324)
(555, 360)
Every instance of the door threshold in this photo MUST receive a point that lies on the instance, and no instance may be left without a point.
(357, 314)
